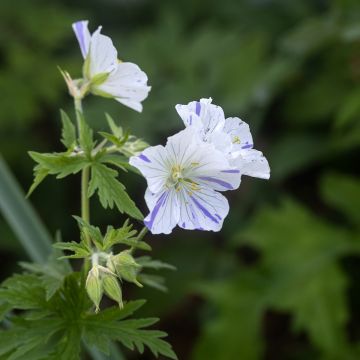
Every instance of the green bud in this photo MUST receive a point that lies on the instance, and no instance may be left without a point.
(112, 288)
(94, 286)
(126, 266)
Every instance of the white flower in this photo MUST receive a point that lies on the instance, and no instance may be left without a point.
(232, 136)
(108, 76)
(184, 178)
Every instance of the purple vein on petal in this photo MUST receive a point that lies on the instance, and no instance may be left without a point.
(247, 146)
(149, 224)
(222, 183)
(198, 108)
(204, 210)
(230, 171)
(144, 158)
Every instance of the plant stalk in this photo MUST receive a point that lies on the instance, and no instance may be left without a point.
(85, 204)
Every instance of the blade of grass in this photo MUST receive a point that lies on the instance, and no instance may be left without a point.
(32, 233)
(22, 218)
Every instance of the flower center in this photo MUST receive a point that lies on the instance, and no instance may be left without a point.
(176, 174)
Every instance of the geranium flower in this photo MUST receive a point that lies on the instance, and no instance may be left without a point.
(184, 179)
(232, 136)
(108, 76)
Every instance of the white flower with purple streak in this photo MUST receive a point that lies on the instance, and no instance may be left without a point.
(107, 76)
(232, 136)
(184, 178)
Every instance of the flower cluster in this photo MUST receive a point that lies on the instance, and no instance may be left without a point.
(185, 176)
(104, 74)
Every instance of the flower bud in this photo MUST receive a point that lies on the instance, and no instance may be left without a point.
(112, 288)
(126, 267)
(94, 286)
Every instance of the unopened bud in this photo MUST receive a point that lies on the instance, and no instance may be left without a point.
(112, 288)
(126, 267)
(94, 286)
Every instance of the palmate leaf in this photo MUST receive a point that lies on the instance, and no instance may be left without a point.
(307, 261)
(111, 191)
(60, 164)
(54, 328)
(130, 333)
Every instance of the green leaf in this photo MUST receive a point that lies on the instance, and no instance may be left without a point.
(92, 231)
(120, 161)
(130, 333)
(85, 136)
(148, 262)
(343, 193)
(40, 174)
(23, 292)
(154, 281)
(118, 236)
(68, 131)
(116, 130)
(126, 236)
(235, 333)
(5, 308)
(111, 191)
(81, 250)
(60, 164)
(52, 273)
(307, 261)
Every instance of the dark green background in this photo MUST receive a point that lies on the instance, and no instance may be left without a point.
(282, 278)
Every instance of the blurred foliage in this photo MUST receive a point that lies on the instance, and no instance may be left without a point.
(282, 279)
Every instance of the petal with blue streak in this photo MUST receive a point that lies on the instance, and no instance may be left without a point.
(213, 169)
(164, 212)
(83, 35)
(239, 132)
(205, 209)
(154, 165)
(212, 116)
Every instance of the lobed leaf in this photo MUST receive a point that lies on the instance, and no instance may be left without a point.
(111, 191)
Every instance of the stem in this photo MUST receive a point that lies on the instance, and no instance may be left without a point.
(78, 112)
(142, 233)
(85, 207)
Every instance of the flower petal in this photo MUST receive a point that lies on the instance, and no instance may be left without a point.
(252, 163)
(153, 163)
(211, 167)
(239, 132)
(128, 84)
(83, 35)
(103, 55)
(212, 116)
(164, 212)
(205, 209)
